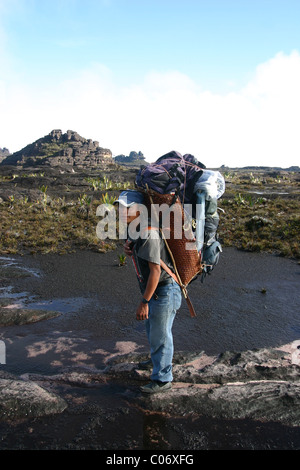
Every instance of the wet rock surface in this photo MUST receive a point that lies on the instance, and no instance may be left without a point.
(72, 381)
(26, 399)
(12, 312)
(10, 315)
(208, 396)
(262, 384)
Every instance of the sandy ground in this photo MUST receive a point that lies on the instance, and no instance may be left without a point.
(250, 301)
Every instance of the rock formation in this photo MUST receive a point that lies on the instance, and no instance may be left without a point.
(58, 149)
(133, 159)
(27, 399)
(260, 385)
(4, 153)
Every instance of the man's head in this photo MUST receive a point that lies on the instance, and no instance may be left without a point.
(129, 202)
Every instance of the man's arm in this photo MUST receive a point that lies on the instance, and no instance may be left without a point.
(153, 280)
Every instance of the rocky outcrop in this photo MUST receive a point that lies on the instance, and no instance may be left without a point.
(58, 149)
(11, 313)
(133, 159)
(4, 153)
(21, 399)
(261, 385)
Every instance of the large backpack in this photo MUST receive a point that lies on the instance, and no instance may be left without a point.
(171, 173)
(180, 182)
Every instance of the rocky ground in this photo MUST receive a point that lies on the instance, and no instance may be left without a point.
(71, 381)
(71, 342)
(257, 390)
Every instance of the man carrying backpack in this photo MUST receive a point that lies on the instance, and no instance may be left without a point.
(160, 294)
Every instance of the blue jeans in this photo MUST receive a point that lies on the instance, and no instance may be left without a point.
(162, 312)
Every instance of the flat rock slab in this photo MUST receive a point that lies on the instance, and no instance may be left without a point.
(10, 315)
(21, 399)
(267, 401)
(262, 384)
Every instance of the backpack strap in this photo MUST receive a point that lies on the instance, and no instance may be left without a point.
(168, 270)
(184, 291)
(176, 279)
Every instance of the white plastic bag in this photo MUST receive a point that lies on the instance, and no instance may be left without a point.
(212, 183)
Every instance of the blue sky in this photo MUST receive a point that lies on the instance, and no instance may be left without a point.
(215, 78)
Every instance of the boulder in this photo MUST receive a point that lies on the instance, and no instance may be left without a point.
(21, 399)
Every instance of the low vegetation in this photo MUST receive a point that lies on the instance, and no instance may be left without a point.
(258, 212)
(50, 226)
(261, 211)
(261, 224)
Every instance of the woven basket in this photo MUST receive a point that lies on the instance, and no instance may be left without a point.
(178, 235)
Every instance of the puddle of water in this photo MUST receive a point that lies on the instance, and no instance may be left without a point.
(25, 300)
(266, 193)
(6, 292)
(60, 305)
(296, 328)
(7, 262)
(7, 258)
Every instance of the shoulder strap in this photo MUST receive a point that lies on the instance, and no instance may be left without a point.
(188, 300)
(183, 288)
(168, 270)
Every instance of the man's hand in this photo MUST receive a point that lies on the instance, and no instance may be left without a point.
(128, 248)
(142, 311)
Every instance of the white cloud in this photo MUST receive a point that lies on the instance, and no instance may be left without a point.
(258, 125)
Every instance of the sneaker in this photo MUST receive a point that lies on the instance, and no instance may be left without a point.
(156, 387)
(145, 365)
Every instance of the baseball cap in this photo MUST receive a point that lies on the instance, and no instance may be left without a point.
(130, 197)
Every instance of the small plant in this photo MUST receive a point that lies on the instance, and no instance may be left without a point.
(106, 199)
(122, 260)
(239, 199)
(45, 197)
(85, 204)
(12, 200)
(106, 184)
(24, 200)
(254, 179)
(94, 182)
